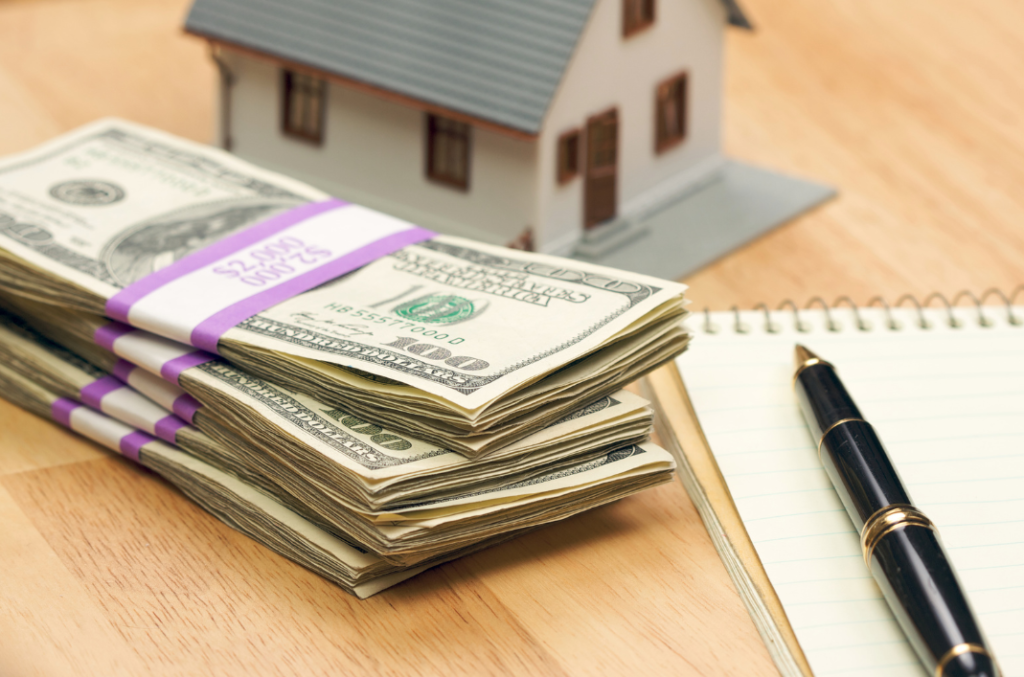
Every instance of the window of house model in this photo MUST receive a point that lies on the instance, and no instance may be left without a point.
(636, 15)
(670, 111)
(568, 155)
(448, 151)
(302, 112)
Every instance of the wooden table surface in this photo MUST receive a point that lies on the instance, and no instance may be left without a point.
(913, 109)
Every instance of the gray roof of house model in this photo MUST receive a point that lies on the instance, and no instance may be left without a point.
(496, 60)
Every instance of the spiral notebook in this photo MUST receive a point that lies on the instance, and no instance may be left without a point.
(945, 389)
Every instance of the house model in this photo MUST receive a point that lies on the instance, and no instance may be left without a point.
(552, 125)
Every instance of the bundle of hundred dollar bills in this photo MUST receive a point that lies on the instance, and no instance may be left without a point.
(363, 396)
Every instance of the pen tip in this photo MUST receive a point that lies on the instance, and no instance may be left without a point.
(802, 355)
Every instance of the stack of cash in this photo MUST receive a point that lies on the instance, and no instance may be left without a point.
(441, 398)
(238, 502)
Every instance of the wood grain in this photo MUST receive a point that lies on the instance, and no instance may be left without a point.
(910, 108)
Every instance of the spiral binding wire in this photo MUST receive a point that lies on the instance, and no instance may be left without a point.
(892, 324)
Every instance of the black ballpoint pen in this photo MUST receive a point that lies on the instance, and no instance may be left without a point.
(900, 544)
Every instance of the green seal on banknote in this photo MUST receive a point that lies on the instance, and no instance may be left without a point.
(437, 309)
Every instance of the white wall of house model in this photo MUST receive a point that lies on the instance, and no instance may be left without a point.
(373, 146)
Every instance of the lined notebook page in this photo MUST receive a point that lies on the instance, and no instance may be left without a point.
(949, 406)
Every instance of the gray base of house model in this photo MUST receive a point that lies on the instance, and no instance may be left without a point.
(704, 223)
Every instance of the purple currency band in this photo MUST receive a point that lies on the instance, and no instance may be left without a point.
(121, 303)
(167, 428)
(105, 336)
(123, 370)
(94, 393)
(171, 370)
(186, 406)
(61, 411)
(132, 443)
(207, 333)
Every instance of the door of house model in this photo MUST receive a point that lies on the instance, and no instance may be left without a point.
(601, 185)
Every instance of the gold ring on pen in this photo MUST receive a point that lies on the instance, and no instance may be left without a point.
(958, 650)
(835, 425)
(887, 520)
(810, 363)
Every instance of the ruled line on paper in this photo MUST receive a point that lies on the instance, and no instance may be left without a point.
(1013, 392)
(949, 406)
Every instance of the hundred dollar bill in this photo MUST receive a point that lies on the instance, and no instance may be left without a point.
(339, 460)
(466, 345)
(412, 533)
